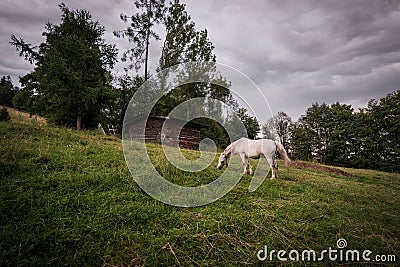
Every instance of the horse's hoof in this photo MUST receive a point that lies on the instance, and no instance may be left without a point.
(273, 178)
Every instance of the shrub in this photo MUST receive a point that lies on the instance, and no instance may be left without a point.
(4, 116)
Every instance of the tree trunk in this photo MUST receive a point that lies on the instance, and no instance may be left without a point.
(146, 54)
(147, 40)
(79, 122)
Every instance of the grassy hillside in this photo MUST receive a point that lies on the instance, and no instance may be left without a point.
(24, 118)
(67, 198)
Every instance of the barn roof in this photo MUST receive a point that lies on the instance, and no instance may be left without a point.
(179, 121)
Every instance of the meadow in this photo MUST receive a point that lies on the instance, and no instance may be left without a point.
(68, 198)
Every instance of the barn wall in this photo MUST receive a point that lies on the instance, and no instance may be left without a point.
(189, 137)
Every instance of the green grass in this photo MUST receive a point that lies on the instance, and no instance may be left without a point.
(67, 198)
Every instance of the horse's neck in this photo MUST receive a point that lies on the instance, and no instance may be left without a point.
(228, 150)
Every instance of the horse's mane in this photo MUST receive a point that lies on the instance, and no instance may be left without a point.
(231, 148)
(228, 150)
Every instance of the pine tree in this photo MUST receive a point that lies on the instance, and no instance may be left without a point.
(249, 122)
(183, 43)
(7, 91)
(140, 32)
(71, 80)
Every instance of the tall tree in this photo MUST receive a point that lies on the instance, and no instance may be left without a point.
(180, 31)
(316, 120)
(301, 141)
(278, 127)
(268, 130)
(384, 117)
(140, 32)
(250, 123)
(184, 44)
(340, 124)
(365, 140)
(71, 78)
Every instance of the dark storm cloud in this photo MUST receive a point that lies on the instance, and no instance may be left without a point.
(301, 52)
(298, 52)
(27, 19)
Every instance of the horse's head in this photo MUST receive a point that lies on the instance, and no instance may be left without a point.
(223, 160)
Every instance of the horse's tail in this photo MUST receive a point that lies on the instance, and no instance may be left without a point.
(283, 153)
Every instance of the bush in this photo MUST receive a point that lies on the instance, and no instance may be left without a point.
(4, 116)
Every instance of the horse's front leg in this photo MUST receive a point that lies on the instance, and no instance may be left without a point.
(245, 163)
(250, 169)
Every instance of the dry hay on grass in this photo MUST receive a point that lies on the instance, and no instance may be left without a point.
(24, 117)
(312, 166)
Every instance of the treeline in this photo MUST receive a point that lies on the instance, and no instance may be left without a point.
(337, 135)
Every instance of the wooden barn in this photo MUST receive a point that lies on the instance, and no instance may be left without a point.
(189, 136)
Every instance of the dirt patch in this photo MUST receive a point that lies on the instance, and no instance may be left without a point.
(312, 166)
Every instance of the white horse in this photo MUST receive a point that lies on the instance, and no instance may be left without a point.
(254, 149)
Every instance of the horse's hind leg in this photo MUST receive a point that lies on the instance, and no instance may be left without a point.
(276, 169)
(273, 166)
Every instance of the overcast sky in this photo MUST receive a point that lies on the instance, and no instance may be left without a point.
(297, 52)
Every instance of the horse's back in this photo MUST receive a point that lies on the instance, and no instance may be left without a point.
(253, 143)
(255, 148)
(268, 144)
